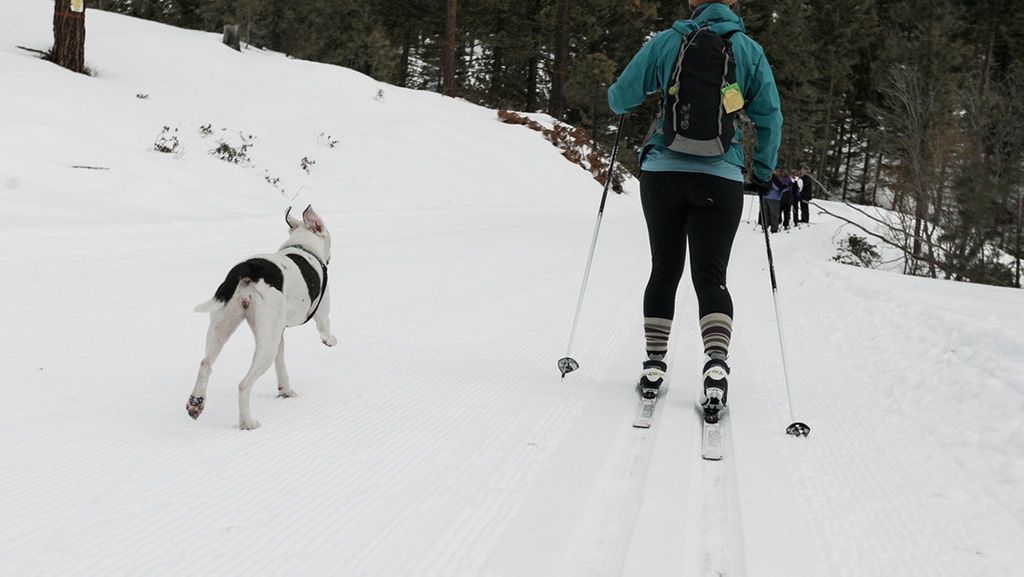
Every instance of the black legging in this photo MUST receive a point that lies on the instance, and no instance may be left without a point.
(704, 210)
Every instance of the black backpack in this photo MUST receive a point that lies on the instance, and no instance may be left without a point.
(702, 98)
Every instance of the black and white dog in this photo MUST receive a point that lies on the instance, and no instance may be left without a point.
(271, 292)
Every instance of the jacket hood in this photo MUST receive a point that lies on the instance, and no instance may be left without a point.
(719, 17)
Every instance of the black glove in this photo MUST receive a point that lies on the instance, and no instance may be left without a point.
(759, 186)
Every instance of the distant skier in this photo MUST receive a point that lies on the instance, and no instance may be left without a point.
(786, 200)
(806, 193)
(697, 199)
(773, 201)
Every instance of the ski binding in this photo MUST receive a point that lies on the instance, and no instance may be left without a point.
(645, 410)
(711, 439)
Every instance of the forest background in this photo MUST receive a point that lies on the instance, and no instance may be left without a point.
(913, 105)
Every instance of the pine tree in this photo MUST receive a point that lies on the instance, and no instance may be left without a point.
(563, 29)
(450, 23)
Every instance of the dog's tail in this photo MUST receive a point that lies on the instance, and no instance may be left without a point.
(244, 275)
(209, 306)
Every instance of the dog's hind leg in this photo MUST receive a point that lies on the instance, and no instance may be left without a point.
(223, 323)
(261, 361)
(284, 388)
(268, 328)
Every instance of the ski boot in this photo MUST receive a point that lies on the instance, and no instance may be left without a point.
(651, 379)
(716, 389)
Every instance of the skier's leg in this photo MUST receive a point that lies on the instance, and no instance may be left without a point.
(711, 229)
(664, 210)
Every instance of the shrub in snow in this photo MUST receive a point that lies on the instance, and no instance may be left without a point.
(857, 251)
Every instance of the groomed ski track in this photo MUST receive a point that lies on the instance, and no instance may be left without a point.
(437, 437)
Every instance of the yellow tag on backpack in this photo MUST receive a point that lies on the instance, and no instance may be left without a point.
(732, 100)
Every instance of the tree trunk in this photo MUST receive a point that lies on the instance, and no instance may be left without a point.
(833, 168)
(533, 64)
(864, 173)
(1017, 255)
(828, 122)
(231, 37)
(556, 105)
(878, 176)
(849, 163)
(69, 36)
(825, 144)
(986, 73)
(277, 26)
(403, 66)
(497, 68)
(531, 84)
(448, 80)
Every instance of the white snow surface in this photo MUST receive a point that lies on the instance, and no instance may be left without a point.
(437, 437)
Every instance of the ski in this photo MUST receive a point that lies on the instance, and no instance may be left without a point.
(652, 382)
(645, 412)
(711, 440)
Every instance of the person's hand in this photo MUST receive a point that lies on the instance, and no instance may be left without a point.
(759, 186)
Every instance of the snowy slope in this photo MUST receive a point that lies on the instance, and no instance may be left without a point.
(437, 437)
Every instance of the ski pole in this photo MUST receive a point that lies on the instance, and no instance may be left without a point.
(568, 364)
(797, 429)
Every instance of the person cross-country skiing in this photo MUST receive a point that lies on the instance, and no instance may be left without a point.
(697, 200)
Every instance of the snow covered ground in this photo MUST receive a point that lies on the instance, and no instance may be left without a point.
(437, 438)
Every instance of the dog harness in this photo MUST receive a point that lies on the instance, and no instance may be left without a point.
(315, 288)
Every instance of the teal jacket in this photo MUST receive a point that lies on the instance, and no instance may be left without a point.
(650, 70)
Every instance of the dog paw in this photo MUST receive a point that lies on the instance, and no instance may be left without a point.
(195, 406)
(286, 393)
(329, 341)
(248, 425)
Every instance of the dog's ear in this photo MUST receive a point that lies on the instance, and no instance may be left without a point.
(313, 220)
(292, 223)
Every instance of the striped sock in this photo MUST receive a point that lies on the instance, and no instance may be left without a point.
(716, 330)
(656, 333)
